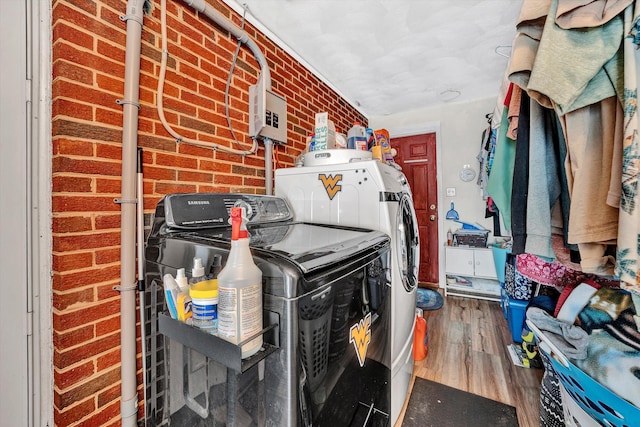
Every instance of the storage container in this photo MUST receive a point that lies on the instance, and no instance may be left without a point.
(471, 238)
(599, 402)
(516, 312)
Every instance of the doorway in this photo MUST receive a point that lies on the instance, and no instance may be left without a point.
(417, 157)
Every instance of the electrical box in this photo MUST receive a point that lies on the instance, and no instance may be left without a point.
(267, 114)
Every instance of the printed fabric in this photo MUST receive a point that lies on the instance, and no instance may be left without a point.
(628, 250)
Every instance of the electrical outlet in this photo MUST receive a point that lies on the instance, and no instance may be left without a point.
(451, 191)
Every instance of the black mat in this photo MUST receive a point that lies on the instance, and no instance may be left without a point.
(433, 404)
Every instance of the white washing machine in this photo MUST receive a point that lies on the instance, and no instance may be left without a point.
(348, 187)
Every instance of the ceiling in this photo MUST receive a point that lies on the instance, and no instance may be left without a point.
(392, 56)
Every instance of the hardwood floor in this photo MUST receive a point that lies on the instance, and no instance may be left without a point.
(468, 341)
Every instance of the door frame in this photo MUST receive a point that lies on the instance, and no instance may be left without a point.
(430, 127)
(26, 31)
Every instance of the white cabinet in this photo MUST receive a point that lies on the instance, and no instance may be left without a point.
(471, 272)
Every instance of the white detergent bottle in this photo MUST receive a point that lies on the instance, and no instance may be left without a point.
(240, 291)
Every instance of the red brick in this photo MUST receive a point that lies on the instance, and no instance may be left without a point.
(107, 256)
(65, 379)
(69, 299)
(72, 224)
(74, 261)
(65, 107)
(84, 203)
(109, 325)
(213, 166)
(89, 350)
(73, 147)
(109, 116)
(108, 360)
(73, 338)
(84, 390)
(176, 161)
(66, 281)
(194, 176)
(227, 179)
(109, 395)
(72, 184)
(73, 414)
(107, 416)
(169, 188)
(106, 186)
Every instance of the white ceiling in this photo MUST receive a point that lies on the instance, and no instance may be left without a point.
(392, 56)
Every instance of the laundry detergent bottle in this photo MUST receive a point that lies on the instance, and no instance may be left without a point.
(240, 291)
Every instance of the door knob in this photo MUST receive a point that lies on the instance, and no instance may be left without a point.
(432, 217)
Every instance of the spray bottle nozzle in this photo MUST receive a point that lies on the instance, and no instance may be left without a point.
(238, 228)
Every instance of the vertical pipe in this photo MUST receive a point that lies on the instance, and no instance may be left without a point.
(129, 395)
(141, 286)
(268, 166)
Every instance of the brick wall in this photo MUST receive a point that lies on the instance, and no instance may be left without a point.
(88, 77)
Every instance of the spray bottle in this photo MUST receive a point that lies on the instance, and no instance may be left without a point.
(240, 291)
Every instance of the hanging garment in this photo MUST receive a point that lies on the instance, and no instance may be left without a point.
(588, 13)
(483, 159)
(525, 44)
(591, 134)
(569, 71)
(628, 254)
(521, 179)
(544, 181)
(501, 175)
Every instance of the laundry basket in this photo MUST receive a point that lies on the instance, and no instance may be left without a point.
(596, 400)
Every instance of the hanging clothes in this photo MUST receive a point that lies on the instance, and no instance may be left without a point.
(501, 175)
(591, 133)
(544, 181)
(576, 68)
(519, 191)
(628, 253)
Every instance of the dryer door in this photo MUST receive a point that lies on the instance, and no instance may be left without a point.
(408, 250)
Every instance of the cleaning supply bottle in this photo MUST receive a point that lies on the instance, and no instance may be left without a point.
(171, 291)
(181, 279)
(197, 272)
(420, 337)
(183, 300)
(240, 291)
(357, 137)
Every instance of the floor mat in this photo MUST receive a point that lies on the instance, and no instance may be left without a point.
(433, 404)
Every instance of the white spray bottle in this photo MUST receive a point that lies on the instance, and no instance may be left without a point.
(240, 291)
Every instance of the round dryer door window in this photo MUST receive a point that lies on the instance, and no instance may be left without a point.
(408, 243)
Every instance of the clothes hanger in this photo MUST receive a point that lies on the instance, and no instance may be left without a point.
(497, 50)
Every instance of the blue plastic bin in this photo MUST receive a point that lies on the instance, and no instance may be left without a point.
(500, 259)
(516, 313)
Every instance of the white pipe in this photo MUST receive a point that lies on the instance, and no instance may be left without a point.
(268, 166)
(237, 32)
(141, 287)
(130, 104)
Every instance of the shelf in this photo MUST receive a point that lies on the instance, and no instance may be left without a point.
(212, 346)
(478, 288)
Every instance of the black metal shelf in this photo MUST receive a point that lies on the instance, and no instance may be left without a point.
(212, 346)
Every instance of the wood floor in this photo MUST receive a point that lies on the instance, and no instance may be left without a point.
(468, 341)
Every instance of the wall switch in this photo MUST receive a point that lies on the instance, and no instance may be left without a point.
(451, 191)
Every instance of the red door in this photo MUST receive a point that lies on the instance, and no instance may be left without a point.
(417, 157)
